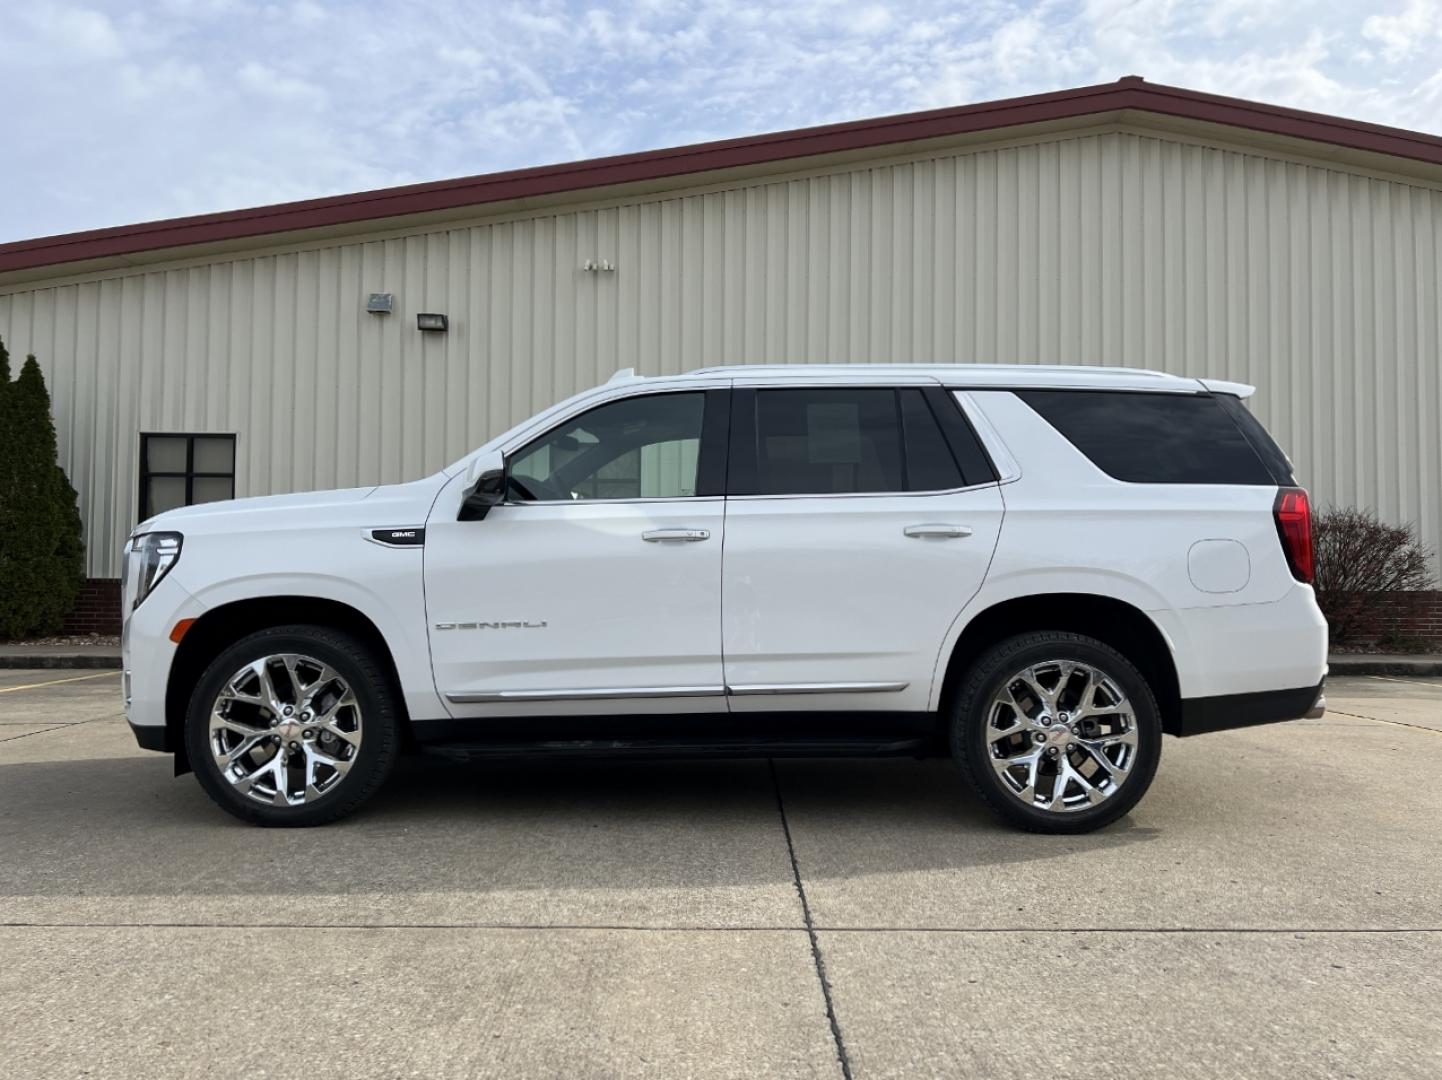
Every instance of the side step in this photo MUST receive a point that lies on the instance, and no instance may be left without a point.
(737, 746)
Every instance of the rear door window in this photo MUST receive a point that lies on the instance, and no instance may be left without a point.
(1153, 438)
(828, 442)
(847, 441)
(929, 463)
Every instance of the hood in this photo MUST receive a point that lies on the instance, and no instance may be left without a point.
(407, 504)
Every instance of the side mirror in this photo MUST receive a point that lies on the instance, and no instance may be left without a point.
(486, 478)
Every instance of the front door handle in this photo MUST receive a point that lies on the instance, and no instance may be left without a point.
(684, 536)
(943, 532)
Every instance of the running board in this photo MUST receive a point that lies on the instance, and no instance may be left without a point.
(672, 748)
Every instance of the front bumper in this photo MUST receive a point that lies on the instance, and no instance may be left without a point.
(152, 737)
(1201, 715)
(146, 655)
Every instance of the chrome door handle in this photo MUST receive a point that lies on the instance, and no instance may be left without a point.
(944, 532)
(685, 536)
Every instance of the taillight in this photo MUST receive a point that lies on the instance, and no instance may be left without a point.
(1293, 515)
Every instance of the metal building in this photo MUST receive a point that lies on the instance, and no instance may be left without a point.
(1125, 223)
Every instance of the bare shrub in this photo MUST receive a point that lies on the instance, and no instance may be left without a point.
(1358, 556)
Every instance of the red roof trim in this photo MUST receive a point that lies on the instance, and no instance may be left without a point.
(1127, 93)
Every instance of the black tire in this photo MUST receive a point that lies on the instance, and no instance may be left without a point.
(366, 675)
(968, 729)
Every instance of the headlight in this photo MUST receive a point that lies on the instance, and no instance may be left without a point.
(149, 559)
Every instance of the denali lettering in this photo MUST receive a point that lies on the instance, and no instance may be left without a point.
(520, 624)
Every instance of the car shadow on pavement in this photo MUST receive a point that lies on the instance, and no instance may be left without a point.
(122, 826)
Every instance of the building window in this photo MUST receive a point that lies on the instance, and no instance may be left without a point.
(181, 470)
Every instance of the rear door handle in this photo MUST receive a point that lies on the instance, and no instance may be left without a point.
(943, 532)
(685, 536)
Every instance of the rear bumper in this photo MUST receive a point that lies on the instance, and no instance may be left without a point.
(1201, 715)
(1241, 649)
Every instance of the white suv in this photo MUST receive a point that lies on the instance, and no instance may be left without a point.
(1037, 570)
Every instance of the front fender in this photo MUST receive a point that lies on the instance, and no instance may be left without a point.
(393, 602)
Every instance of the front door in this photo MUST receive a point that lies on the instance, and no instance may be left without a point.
(596, 586)
(860, 522)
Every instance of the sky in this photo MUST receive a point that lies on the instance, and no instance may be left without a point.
(119, 113)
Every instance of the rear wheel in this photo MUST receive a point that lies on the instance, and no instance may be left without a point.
(1057, 732)
(295, 725)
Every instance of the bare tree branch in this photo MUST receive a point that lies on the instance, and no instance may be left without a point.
(1362, 565)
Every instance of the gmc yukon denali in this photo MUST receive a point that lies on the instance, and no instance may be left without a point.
(1038, 571)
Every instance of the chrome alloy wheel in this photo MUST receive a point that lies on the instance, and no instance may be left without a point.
(1061, 735)
(284, 730)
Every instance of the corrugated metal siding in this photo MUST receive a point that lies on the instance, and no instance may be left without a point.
(1319, 286)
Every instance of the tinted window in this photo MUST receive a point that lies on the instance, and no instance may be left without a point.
(828, 442)
(1265, 446)
(842, 442)
(929, 464)
(638, 448)
(1153, 438)
(975, 463)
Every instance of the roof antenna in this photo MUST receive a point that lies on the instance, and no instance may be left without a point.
(624, 373)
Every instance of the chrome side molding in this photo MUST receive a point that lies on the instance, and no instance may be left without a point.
(600, 694)
(749, 689)
(619, 692)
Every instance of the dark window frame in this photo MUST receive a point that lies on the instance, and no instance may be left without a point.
(971, 454)
(190, 475)
(711, 454)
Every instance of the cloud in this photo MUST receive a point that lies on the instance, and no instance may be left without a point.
(125, 112)
(159, 82)
(1416, 26)
(72, 30)
(266, 81)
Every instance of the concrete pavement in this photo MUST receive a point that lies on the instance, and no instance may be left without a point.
(1272, 908)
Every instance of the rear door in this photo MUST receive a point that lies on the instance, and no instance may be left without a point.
(860, 520)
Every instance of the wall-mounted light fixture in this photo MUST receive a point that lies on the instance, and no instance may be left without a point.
(431, 322)
(380, 303)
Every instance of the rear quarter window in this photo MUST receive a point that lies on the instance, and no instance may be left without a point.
(1266, 447)
(1153, 438)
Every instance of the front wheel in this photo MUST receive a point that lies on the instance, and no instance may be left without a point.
(1057, 732)
(294, 725)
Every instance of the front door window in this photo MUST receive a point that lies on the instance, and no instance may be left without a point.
(639, 448)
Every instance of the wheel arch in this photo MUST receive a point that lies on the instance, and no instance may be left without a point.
(1117, 623)
(222, 626)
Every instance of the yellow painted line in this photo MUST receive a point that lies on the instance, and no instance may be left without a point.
(1411, 680)
(56, 682)
(1376, 720)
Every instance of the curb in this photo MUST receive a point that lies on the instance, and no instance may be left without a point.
(61, 660)
(1363, 665)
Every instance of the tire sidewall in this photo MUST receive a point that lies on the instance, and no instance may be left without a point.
(378, 724)
(969, 728)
